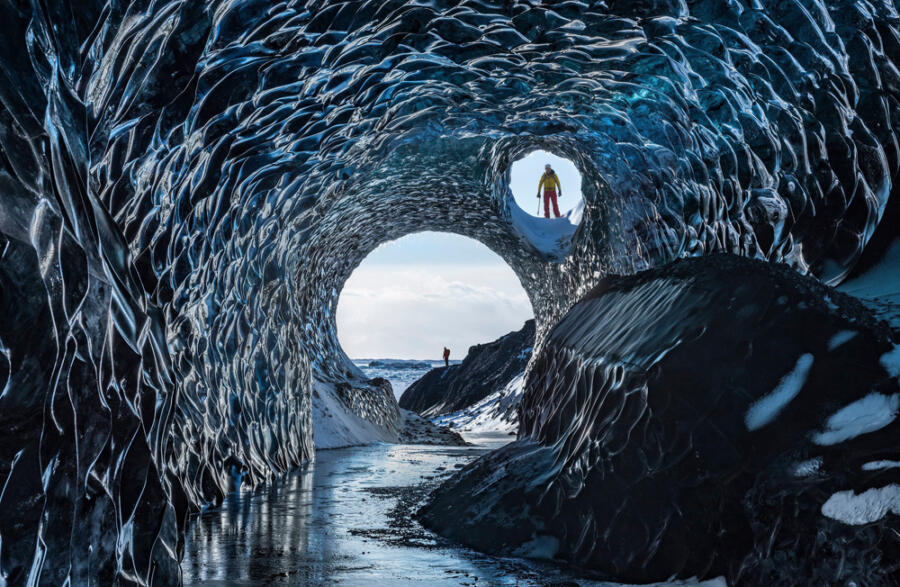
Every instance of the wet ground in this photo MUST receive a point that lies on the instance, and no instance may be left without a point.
(347, 520)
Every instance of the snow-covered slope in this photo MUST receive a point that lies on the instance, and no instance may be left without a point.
(497, 412)
(340, 420)
(551, 236)
(335, 425)
(486, 369)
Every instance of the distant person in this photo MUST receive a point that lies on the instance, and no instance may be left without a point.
(446, 357)
(550, 183)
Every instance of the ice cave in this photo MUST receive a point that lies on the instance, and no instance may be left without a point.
(713, 387)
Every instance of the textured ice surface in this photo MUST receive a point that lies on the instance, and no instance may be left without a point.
(674, 424)
(186, 186)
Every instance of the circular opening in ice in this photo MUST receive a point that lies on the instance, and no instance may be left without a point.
(413, 296)
(529, 211)
(525, 174)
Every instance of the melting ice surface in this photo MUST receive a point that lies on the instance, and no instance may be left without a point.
(345, 520)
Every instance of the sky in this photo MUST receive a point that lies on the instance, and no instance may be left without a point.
(411, 297)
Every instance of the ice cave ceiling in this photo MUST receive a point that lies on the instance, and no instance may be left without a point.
(186, 185)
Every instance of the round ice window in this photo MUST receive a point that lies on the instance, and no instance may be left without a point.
(547, 202)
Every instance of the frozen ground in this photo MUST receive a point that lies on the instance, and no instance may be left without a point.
(347, 520)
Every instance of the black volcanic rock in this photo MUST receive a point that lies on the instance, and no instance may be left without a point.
(716, 416)
(486, 368)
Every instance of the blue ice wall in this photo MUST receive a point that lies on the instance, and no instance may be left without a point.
(185, 187)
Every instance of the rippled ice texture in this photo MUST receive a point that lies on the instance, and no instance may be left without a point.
(187, 185)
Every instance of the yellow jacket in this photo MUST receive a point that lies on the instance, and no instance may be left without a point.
(550, 181)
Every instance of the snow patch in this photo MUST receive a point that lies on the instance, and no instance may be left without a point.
(807, 468)
(335, 426)
(891, 361)
(871, 413)
(867, 507)
(768, 407)
(878, 465)
(550, 236)
(497, 412)
(544, 547)
(840, 338)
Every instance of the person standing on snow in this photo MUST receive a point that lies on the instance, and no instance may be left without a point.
(446, 357)
(550, 183)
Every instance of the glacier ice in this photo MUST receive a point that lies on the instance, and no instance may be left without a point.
(651, 443)
(187, 185)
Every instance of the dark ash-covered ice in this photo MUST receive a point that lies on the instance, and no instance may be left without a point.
(716, 416)
(485, 369)
(186, 186)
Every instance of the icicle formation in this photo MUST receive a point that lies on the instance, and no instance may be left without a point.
(187, 185)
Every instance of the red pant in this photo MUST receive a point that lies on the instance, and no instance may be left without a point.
(550, 196)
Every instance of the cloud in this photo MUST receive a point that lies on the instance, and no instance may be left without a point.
(414, 311)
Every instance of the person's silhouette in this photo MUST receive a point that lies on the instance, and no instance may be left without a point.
(446, 357)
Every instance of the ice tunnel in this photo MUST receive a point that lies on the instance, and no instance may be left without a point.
(187, 185)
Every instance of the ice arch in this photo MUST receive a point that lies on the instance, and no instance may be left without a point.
(186, 186)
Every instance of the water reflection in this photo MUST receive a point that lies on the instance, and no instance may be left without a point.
(252, 532)
(312, 528)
